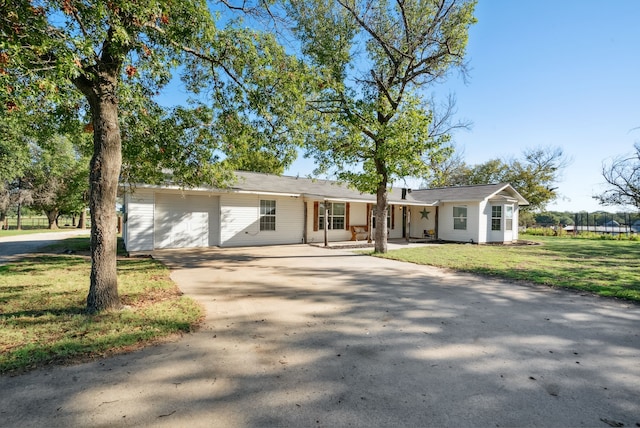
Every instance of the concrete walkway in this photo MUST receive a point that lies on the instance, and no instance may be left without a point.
(301, 336)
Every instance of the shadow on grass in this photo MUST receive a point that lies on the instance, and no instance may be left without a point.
(81, 244)
(43, 317)
(37, 263)
(35, 316)
(604, 267)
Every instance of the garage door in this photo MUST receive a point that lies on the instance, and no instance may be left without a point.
(183, 221)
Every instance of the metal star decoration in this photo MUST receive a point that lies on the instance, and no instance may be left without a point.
(425, 213)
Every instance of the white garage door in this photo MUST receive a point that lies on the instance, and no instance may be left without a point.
(182, 221)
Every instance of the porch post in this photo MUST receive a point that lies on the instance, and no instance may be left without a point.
(408, 228)
(371, 217)
(326, 223)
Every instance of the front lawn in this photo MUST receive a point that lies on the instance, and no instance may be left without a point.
(42, 309)
(15, 232)
(605, 267)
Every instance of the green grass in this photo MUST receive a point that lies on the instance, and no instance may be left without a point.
(43, 318)
(605, 267)
(14, 232)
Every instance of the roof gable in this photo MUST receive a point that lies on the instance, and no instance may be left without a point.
(475, 193)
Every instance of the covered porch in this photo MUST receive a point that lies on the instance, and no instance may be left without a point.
(350, 221)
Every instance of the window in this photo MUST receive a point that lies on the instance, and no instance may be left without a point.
(267, 215)
(460, 218)
(496, 217)
(337, 212)
(509, 217)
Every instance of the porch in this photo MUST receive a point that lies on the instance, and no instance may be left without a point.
(392, 244)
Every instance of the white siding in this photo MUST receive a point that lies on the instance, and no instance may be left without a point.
(240, 221)
(484, 223)
(419, 224)
(357, 215)
(445, 219)
(138, 231)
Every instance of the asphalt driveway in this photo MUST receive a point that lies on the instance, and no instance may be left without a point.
(308, 337)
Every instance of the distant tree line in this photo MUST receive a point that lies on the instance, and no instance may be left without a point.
(534, 175)
(44, 168)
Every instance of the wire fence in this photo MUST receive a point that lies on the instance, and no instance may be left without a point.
(604, 223)
(35, 222)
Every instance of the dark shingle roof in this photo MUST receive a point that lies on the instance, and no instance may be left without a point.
(262, 183)
(259, 182)
(467, 193)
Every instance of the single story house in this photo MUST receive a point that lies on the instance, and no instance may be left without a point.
(264, 209)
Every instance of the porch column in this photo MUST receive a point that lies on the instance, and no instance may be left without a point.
(408, 228)
(326, 223)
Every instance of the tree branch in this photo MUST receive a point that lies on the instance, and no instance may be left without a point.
(201, 55)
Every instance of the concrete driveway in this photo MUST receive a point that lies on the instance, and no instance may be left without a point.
(14, 247)
(308, 337)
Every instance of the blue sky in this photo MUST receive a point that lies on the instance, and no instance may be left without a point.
(558, 73)
(562, 73)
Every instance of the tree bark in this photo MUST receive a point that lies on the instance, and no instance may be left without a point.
(104, 171)
(82, 220)
(52, 217)
(382, 208)
(19, 217)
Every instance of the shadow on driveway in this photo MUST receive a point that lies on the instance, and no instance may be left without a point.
(303, 336)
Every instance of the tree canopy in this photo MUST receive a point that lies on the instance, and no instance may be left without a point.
(534, 176)
(369, 122)
(108, 60)
(57, 178)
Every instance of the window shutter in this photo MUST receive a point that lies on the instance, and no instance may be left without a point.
(346, 215)
(315, 216)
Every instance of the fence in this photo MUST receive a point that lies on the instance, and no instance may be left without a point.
(603, 223)
(32, 222)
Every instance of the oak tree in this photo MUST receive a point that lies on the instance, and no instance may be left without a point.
(119, 55)
(369, 120)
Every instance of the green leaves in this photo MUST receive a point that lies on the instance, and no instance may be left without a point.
(533, 177)
(372, 61)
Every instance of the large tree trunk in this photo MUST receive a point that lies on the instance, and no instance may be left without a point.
(103, 176)
(82, 220)
(19, 217)
(52, 216)
(382, 208)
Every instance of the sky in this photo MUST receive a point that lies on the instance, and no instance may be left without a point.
(559, 73)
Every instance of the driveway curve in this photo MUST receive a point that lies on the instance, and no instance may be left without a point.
(307, 337)
(14, 247)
